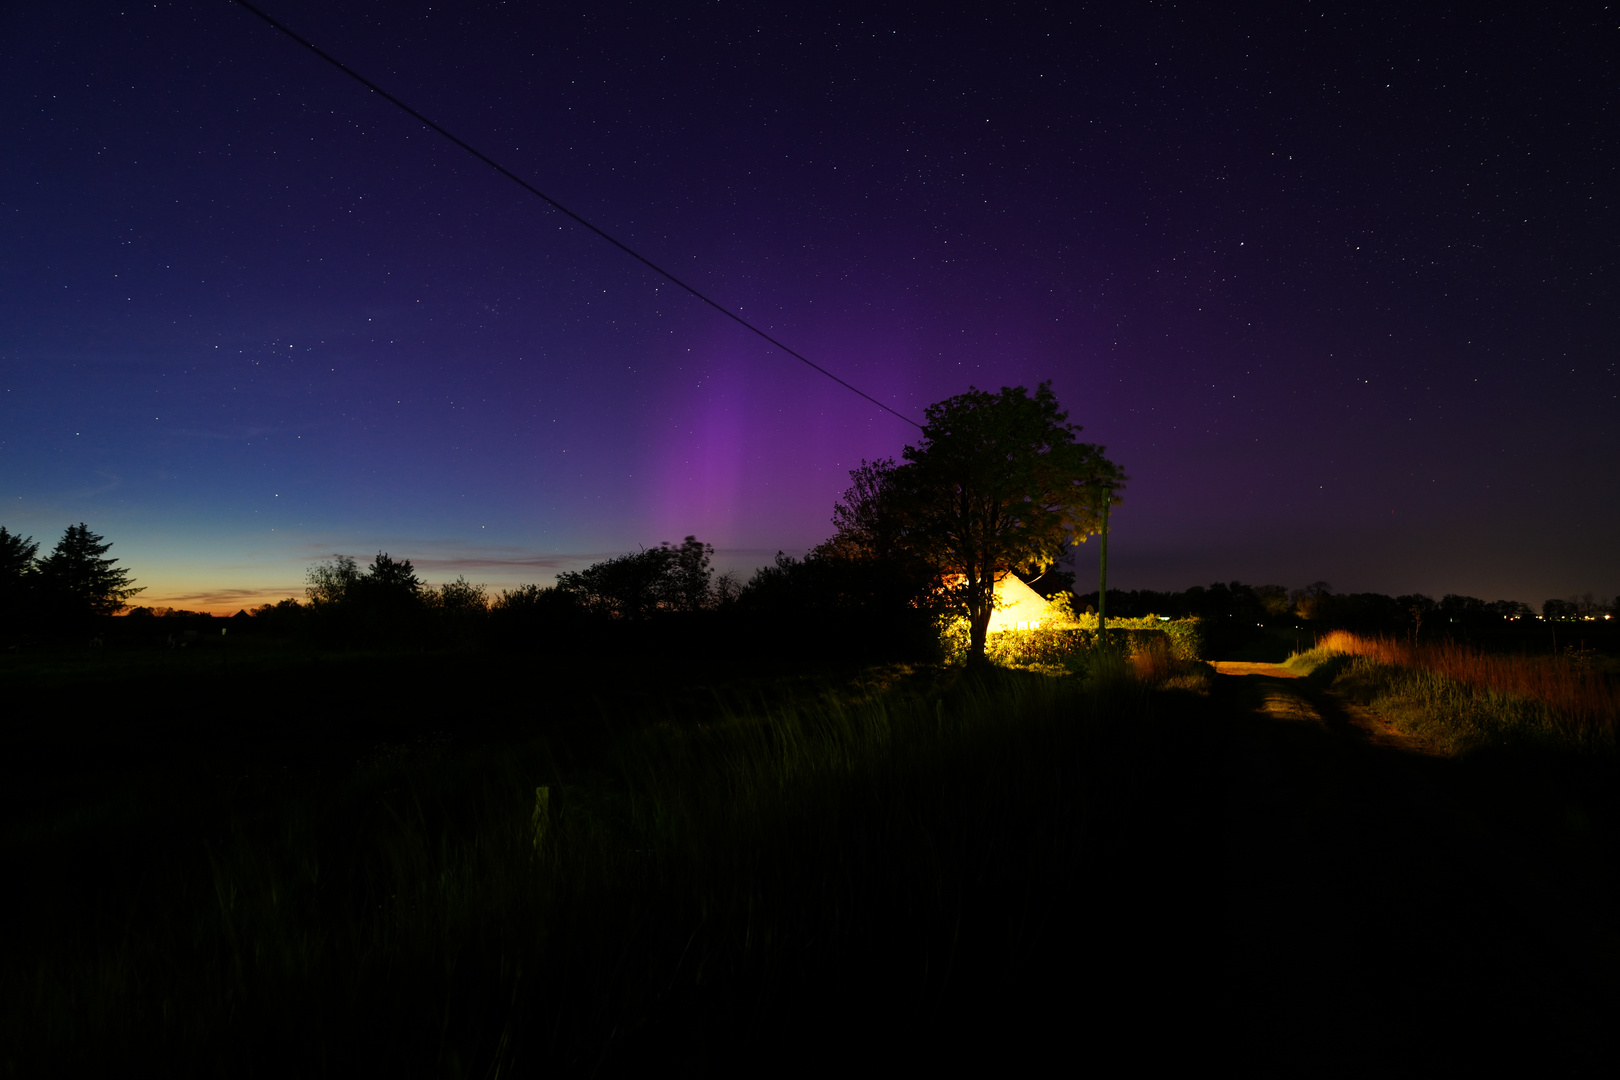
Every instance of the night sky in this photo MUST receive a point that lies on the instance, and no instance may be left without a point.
(1335, 284)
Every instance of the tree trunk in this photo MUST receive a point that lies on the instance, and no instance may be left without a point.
(977, 633)
(979, 609)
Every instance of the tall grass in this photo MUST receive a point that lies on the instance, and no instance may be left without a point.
(1476, 696)
(576, 908)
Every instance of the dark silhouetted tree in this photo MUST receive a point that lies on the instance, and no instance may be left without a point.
(283, 618)
(626, 587)
(386, 603)
(77, 582)
(460, 599)
(388, 588)
(999, 482)
(16, 555)
(830, 604)
(1273, 600)
(398, 578)
(1587, 605)
(687, 581)
(532, 614)
(1557, 609)
(1313, 601)
(1415, 608)
(529, 598)
(1464, 611)
(644, 583)
(16, 573)
(330, 583)
(385, 583)
(869, 522)
(459, 607)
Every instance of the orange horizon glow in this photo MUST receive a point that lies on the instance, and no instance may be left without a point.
(224, 602)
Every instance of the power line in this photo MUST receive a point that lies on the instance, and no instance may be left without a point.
(560, 208)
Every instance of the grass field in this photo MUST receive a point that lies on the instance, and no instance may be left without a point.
(500, 872)
(1525, 749)
(1461, 699)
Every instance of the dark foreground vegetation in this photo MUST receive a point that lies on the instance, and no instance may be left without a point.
(1391, 911)
(257, 859)
(470, 865)
(651, 819)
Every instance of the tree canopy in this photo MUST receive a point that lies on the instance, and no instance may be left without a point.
(78, 581)
(16, 572)
(999, 482)
(645, 582)
(16, 555)
(385, 582)
(330, 583)
(868, 522)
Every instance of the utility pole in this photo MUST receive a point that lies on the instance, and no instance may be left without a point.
(1102, 582)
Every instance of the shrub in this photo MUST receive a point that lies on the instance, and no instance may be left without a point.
(1178, 639)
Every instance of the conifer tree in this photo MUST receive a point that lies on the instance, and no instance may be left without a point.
(77, 581)
(16, 571)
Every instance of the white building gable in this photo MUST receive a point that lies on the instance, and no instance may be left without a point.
(1019, 607)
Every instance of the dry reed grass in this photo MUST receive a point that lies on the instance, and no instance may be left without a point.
(1587, 702)
(1155, 662)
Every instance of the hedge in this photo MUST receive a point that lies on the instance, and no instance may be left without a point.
(1053, 646)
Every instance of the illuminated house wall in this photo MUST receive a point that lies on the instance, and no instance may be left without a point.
(1019, 607)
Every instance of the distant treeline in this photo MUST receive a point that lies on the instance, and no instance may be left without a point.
(1232, 608)
(665, 601)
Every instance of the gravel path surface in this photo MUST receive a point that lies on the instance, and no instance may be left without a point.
(1374, 926)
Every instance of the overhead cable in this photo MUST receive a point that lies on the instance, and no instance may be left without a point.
(560, 208)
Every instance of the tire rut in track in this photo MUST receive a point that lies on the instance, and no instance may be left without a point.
(1369, 925)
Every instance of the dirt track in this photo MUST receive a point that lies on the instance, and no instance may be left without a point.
(1372, 924)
